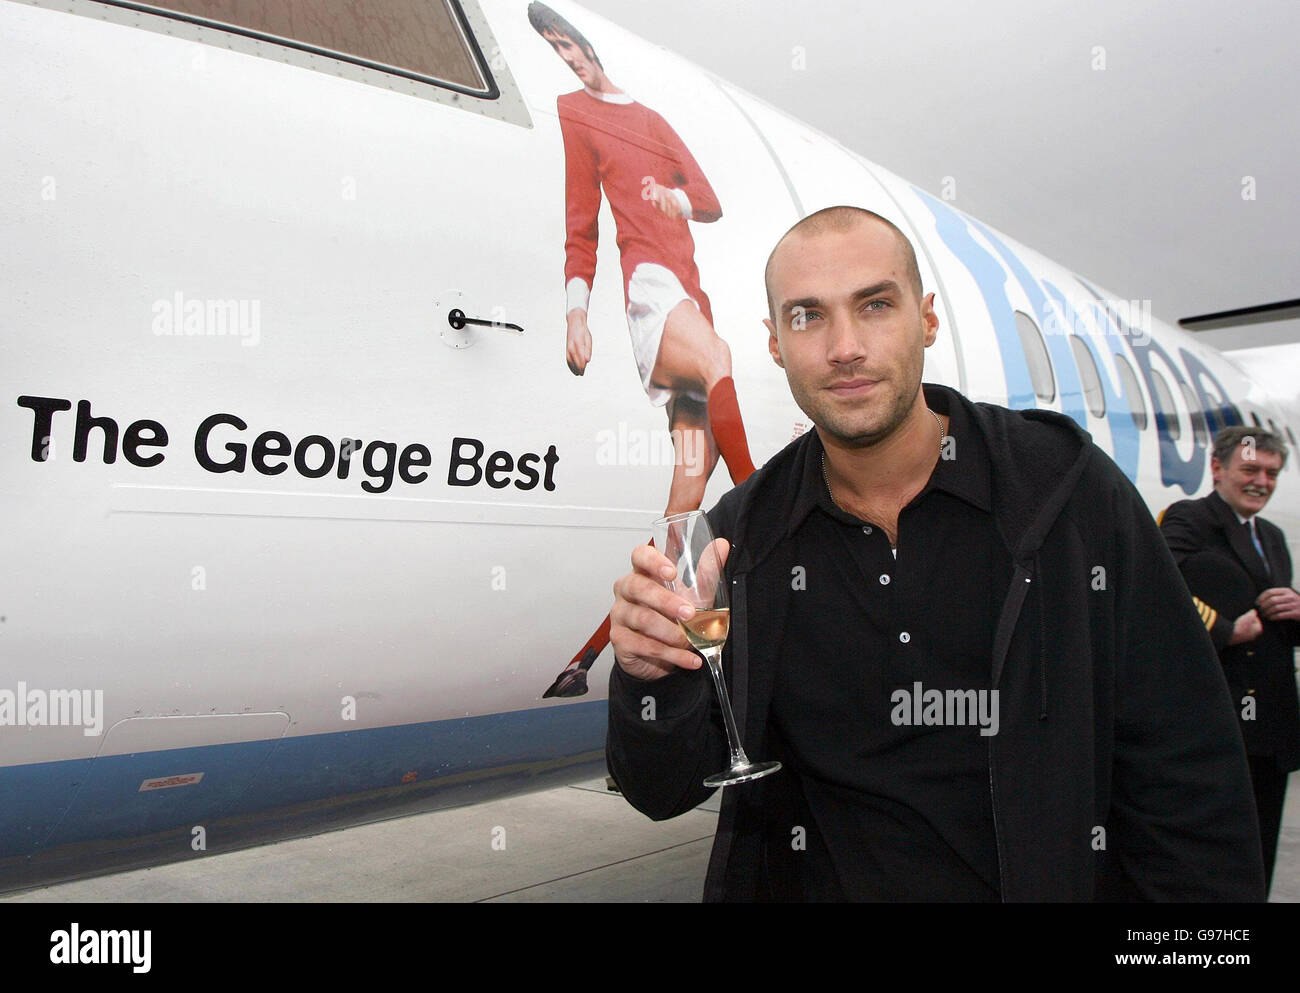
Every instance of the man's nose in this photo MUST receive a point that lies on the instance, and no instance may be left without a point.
(843, 343)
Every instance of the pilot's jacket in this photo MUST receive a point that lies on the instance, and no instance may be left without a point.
(1117, 772)
(1225, 575)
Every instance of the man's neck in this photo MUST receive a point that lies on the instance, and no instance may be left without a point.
(893, 469)
(1240, 517)
(603, 88)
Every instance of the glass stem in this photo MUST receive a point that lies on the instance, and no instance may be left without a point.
(713, 657)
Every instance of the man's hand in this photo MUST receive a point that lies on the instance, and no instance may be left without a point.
(664, 201)
(577, 346)
(1247, 627)
(1281, 603)
(648, 643)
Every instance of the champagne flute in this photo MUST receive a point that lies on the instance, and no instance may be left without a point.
(687, 542)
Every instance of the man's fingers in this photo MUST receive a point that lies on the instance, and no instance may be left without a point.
(637, 590)
(664, 631)
(633, 647)
(649, 561)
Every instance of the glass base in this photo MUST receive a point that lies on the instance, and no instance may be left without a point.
(742, 772)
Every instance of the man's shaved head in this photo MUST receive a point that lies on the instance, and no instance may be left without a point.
(839, 220)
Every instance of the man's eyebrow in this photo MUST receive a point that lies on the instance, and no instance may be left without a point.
(875, 289)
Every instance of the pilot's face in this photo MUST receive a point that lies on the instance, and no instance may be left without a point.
(574, 57)
(1247, 483)
(850, 332)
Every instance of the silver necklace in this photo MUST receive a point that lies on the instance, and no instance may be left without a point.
(826, 476)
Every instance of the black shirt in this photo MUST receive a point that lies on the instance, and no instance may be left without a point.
(898, 806)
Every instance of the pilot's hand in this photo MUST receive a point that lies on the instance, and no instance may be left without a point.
(664, 201)
(577, 345)
(1247, 627)
(1281, 603)
(648, 643)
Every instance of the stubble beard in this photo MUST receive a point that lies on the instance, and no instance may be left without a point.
(846, 426)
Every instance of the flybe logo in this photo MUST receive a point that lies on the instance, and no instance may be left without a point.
(1077, 334)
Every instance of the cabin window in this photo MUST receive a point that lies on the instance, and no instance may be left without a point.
(424, 40)
(1093, 394)
(1166, 411)
(1040, 363)
(1200, 430)
(1132, 392)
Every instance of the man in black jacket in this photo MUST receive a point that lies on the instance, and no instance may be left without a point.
(1239, 571)
(915, 540)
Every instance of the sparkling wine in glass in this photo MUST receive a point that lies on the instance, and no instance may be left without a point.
(688, 543)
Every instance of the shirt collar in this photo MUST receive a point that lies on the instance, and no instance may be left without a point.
(608, 97)
(966, 475)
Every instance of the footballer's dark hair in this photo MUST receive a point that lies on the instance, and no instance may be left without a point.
(546, 21)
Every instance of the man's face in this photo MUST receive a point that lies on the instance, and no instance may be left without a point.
(1246, 483)
(574, 57)
(850, 332)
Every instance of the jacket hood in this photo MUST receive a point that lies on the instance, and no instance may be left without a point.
(1037, 458)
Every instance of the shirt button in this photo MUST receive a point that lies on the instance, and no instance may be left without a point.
(884, 579)
(867, 529)
(904, 637)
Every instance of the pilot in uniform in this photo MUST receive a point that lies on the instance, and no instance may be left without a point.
(1229, 556)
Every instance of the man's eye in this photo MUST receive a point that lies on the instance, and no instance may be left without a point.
(871, 305)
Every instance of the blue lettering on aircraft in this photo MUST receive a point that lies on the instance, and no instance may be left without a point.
(991, 273)
(1067, 375)
(991, 278)
(1174, 469)
(1219, 411)
(1119, 409)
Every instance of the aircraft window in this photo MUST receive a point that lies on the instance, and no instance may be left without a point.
(1290, 435)
(1271, 426)
(420, 39)
(1255, 417)
(1237, 413)
(1199, 428)
(1092, 392)
(1040, 364)
(1166, 411)
(1133, 392)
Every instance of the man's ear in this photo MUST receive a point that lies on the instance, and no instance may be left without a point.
(929, 319)
(773, 346)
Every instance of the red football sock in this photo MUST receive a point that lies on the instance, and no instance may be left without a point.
(596, 642)
(729, 429)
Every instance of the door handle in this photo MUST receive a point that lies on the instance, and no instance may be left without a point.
(457, 319)
(461, 329)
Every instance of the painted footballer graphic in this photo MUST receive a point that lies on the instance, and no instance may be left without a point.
(619, 148)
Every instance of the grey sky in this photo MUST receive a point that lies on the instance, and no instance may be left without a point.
(1131, 175)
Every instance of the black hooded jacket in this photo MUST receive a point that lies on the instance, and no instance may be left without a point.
(1118, 770)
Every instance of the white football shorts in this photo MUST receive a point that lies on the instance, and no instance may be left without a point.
(652, 292)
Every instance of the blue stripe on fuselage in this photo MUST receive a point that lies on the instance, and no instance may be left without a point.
(103, 802)
(991, 278)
